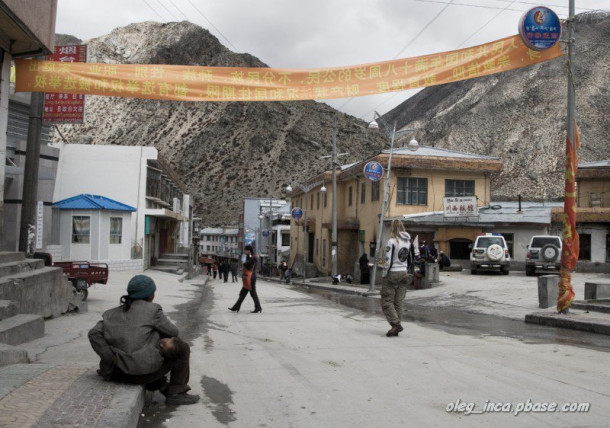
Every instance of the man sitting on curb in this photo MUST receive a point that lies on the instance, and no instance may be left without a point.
(137, 344)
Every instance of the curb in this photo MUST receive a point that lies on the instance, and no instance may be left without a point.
(599, 326)
(124, 409)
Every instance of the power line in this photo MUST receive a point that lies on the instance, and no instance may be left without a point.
(423, 29)
(168, 11)
(179, 10)
(484, 25)
(213, 26)
(464, 4)
(154, 10)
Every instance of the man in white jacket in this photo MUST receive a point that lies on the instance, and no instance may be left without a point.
(400, 256)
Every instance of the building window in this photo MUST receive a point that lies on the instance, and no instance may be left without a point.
(585, 246)
(412, 191)
(318, 201)
(455, 188)
(317, 246)
(375, 191)
(81, 229)
(116, 230)
(311, 202)
(349, 196)
(325, 199)
(285, 240)
(363, 193)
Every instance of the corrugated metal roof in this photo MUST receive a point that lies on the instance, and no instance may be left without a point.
(91, 202)
(496, 212)
(596, 164)
(437, 152)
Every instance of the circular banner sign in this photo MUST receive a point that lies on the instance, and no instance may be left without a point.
(297, 213)
(373, 171)
(265, 233)
(540, 28)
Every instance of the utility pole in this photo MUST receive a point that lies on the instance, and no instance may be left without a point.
(30, 174)
(386, 192)
(333, 249)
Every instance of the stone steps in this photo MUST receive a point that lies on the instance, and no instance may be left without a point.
(16, 267)
(8, 308)
(12, 355)
(21, 328)
(10, 256)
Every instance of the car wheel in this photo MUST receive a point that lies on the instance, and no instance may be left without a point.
(549, 252)
(495, 252)
(530, 270)
(473, 271)
(505, 271)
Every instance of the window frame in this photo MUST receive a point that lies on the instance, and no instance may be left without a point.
(410, 193)
(75, 236)
(115, 235)
(375, 190)
(458, 188)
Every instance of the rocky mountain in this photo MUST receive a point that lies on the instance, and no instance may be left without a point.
(520, 115)
(222, 151)
(227, 151)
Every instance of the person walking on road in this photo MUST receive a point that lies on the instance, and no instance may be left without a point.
(234, 270)
(215, 269)
(248, 283)
(400, 255)
(224, 269)
(137, 344)
(364, 269)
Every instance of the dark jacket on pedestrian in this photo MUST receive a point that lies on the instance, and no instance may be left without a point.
(129, 339)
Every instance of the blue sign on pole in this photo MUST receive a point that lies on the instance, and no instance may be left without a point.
(297, 213)
(265, 233)
(540, 28)
(373, 171)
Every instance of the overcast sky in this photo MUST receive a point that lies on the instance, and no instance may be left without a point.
(323, 33)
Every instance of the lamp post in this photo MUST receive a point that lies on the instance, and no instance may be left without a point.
(386, 190)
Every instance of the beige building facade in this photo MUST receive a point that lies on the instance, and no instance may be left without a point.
(419, 181)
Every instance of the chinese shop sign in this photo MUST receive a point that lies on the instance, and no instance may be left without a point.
(192, 83)
(65, 107)
(465, 206)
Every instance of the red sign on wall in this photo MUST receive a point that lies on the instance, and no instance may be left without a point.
(60, 107)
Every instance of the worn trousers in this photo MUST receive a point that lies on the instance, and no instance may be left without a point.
(179, 369)
(242, 295)
(393, 290)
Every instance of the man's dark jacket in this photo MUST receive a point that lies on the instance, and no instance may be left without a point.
(130, 339)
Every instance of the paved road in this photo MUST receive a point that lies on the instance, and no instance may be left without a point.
(308, 361)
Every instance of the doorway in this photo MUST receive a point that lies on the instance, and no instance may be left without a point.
(459, 248)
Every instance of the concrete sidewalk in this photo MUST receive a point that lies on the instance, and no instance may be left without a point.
(60, 387)
(514, 296)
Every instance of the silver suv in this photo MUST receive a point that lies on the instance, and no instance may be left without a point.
(543, 253)
(489, 252)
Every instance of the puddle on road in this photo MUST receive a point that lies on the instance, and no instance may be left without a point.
(471, 324)
(220, 398)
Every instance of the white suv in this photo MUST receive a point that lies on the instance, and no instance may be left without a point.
(489, 252)
(543, 253)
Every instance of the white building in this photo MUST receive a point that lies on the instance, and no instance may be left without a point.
(92, 227)
(266, 225)
(219, 242)
(134, 176)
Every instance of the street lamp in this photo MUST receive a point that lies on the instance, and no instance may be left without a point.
(413, 144)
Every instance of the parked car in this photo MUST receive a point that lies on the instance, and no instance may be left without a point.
(543, 254)
(489, 253)
(82, 274)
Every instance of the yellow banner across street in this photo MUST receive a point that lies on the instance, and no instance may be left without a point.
(200, 83)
